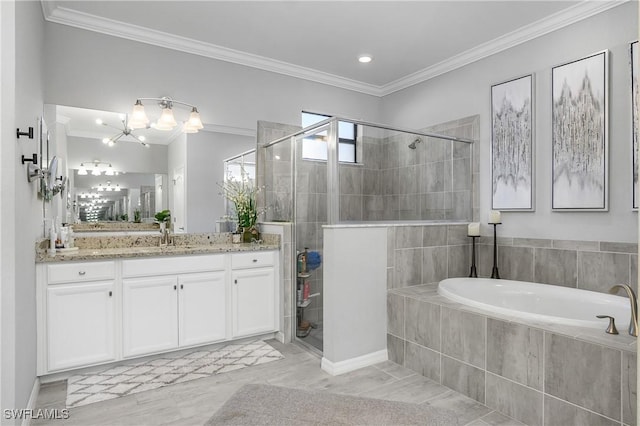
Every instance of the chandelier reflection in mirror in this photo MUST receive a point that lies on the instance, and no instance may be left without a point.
(167, 121)
(126, 130)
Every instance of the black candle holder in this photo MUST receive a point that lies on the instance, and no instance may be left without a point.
(473, 273)
(494, 272)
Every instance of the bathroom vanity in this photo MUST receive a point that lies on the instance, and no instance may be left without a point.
(99, 306)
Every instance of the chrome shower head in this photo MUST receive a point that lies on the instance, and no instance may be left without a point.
(413, 144)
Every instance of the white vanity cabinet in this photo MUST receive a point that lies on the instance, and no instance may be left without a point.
(80, 314)
(253, 293)
(93, 313)
(164, 312)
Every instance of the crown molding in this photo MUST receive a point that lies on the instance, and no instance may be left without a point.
(86, 21)
(61, 15)
(554, 22)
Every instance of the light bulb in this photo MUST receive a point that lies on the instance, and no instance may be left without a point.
(106, 140)
(82, 170)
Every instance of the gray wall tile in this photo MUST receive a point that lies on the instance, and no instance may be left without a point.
(576, 245)
(629, 388)
(422, 360)
(514, 400)
(408, 236)
(556, 267)
(531, 242)
(515, 263)
(434, 236)
(461, 174)
(395, 314)
(395, 349)
(457, 234)
(434, 264)
(391, 245)
(422, 323)
(515, 351)
(432, 178)
(586, 382)
(463, 336)
(467, 380)
(459, 261)
(599, 271)
(557, 412)
(619, 247)
(408, 267)
(633, 275)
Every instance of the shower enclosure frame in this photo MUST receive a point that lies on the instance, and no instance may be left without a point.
(330, 125)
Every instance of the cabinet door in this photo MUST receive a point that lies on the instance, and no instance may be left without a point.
(202, 307)
(149, 315)
(253, 301)
(80, 324)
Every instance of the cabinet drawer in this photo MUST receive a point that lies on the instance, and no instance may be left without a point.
(172, 265)
(77, 272)
(254, 259)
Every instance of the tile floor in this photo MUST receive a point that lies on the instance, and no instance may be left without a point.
(141, 376)
(193, 402)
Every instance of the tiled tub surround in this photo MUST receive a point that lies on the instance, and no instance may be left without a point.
(537, 375)
(588, 265)
(552, 375)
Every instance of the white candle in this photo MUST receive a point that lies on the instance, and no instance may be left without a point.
(494, 216)
(473, 230)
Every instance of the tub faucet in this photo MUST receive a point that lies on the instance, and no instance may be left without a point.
(633, 324)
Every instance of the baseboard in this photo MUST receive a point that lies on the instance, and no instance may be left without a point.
(341, 367)
(33, 399)
(280, 337)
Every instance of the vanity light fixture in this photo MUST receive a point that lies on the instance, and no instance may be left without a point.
(98, 168)
(167, 121)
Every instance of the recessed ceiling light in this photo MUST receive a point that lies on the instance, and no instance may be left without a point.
(365, 59)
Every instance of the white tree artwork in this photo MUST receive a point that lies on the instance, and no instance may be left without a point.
(512, 144)
(579, 134)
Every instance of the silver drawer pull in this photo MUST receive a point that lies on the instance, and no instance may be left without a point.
(81, 272)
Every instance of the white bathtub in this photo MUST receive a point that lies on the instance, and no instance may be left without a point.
(549, 304)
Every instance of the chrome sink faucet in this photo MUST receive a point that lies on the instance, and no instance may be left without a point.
(633, 324)
(166, 238)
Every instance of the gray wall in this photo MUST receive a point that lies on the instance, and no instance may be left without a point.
(466, 91)
(21, 210)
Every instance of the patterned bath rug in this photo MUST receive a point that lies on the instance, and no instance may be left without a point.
(126, 379)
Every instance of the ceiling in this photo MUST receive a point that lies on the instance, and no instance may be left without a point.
(410, 41)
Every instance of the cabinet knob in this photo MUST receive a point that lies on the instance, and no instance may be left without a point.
(175, 287)
(235, 281)
(181, 286)
(255, 260)
(81, 272)
(110, 293)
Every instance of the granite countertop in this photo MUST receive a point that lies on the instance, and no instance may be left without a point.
(102, 248)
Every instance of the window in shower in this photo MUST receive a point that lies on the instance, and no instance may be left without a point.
(315, 147)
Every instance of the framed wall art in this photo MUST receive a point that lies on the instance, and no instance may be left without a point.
(512, 156)
(579, 135)
(633, 55)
